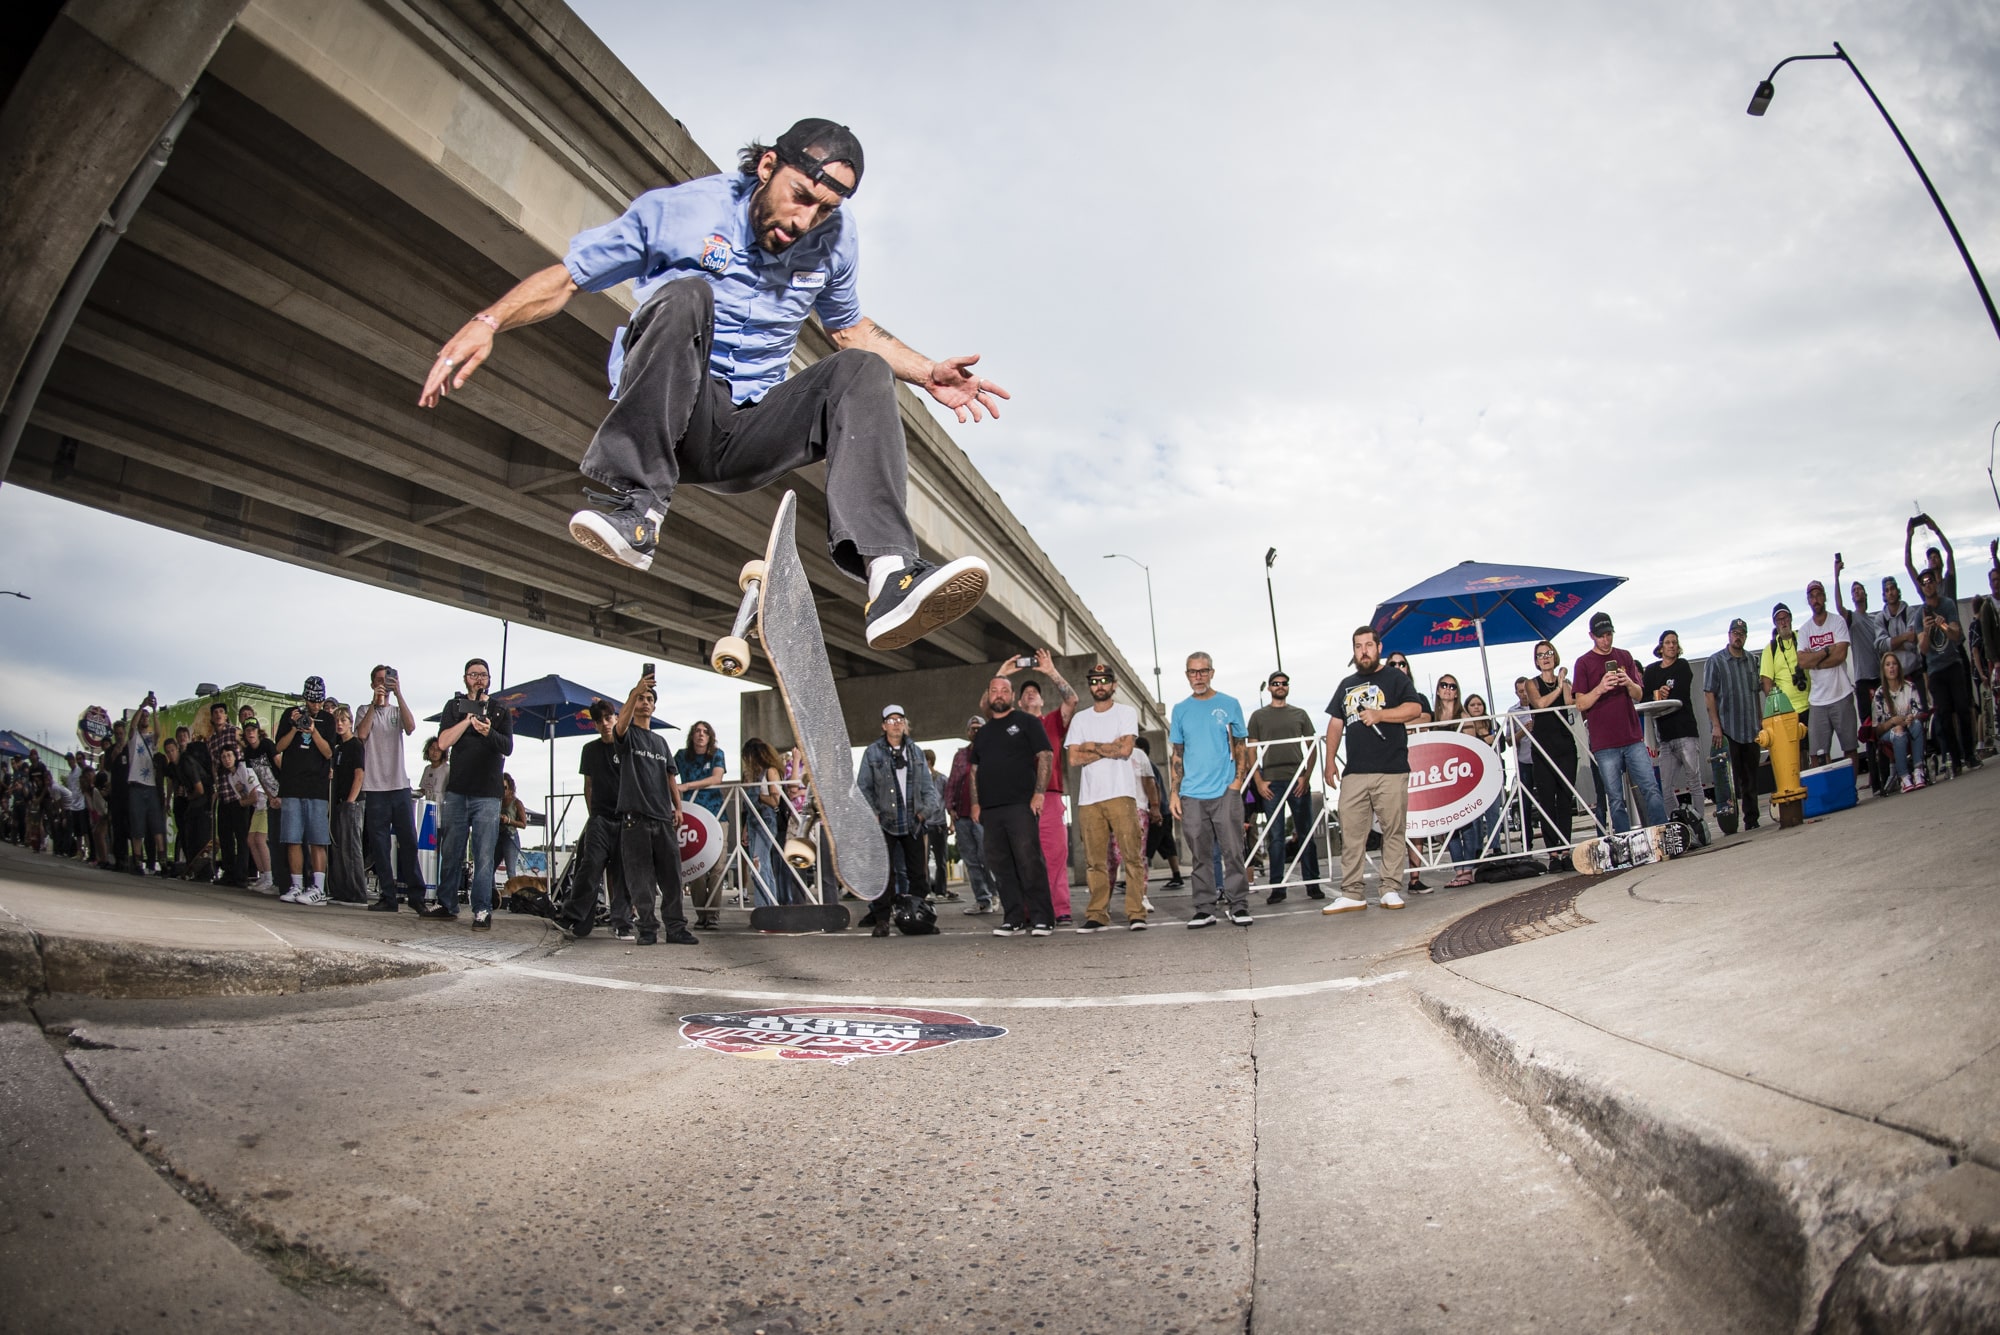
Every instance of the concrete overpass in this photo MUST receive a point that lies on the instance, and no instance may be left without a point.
(358, 176)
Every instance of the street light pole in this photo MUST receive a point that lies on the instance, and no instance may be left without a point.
(1760, 101)
(1270, 557)
(1159, 692)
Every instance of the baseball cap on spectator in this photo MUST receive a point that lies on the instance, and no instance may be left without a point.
(1099, 672)
(1600, 623)
(1777, 608)
(1739, 624)
(975, 722)
(893, 711)
(1815, 585)
(315, 690)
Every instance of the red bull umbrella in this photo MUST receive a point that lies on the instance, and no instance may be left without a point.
(1474, 604)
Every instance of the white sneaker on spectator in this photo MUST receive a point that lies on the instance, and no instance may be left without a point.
(311, 898)
(1391, 900)
(1345, 904)
(291, 896)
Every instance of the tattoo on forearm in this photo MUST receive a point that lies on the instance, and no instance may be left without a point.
(1044, 767)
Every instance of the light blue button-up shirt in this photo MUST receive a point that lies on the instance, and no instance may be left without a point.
(702, 229)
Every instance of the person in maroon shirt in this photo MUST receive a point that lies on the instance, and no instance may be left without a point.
(1608, 684)
(1055, 722)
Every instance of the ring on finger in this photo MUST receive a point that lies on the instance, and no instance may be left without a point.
(449, 362)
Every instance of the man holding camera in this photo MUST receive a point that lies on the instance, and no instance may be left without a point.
(479, 735)
(386, 811)
(1608, 684)
(305, 780)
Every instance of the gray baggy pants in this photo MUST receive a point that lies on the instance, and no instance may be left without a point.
(674, 423)
(1210, 823)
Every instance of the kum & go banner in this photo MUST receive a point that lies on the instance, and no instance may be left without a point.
(1452, 779)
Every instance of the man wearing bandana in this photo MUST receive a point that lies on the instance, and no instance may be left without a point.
(726, 269)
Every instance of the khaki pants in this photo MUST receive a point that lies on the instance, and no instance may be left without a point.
(1116, 817)
(1386, 798)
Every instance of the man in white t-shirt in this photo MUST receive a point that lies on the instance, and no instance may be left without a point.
(1824, 648)
(1100, 740)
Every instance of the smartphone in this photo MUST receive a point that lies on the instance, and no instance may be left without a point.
(645, 669)
(1025, 660)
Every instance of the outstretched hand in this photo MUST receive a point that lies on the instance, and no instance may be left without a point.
(953, 384)
(456, 362)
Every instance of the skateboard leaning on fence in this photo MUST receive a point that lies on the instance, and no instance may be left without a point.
(779, 598)
(1636, 848)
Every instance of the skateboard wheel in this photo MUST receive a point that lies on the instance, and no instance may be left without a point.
(732, 653)
(751, 570)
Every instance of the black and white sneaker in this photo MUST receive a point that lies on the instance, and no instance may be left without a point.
(1010, 931)
(1136, 925)
(625, 526)
(1041, 929)
(1241, 917)
(1202, 920)
(921, 598)
(1088, 926)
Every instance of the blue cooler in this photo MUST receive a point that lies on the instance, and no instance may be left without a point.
(1829, 788)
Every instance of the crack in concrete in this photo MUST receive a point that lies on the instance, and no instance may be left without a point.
(302, 1267)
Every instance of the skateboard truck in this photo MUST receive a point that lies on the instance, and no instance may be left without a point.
(731, 655)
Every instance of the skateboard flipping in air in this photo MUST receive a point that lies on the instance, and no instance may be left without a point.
(779, 598)
(726, 269)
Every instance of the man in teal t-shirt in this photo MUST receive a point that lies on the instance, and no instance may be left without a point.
(1205, 782)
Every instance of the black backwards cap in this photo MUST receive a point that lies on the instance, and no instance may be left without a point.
(813, 143)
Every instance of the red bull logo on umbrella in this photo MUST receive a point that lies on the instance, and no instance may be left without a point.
(1557, 605)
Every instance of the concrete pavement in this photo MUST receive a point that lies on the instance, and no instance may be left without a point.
(1733, 1098)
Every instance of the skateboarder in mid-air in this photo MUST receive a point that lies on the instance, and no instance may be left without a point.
(726, 269)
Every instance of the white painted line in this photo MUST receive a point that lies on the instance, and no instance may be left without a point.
(1233, 994)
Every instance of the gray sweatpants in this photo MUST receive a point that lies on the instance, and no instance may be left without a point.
(1211, 823)
(674, 423)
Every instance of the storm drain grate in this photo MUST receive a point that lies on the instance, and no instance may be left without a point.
(1542, 911)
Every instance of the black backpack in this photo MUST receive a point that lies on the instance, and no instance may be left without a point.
(915, 916)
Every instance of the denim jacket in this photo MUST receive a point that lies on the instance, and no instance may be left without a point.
(877, 782)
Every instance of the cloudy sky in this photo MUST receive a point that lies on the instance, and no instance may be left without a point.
(1386, 288)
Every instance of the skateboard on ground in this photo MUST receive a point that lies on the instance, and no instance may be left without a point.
(778, 596)
(1615, 852)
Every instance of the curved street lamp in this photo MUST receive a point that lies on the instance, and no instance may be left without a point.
(1158, 692)
(1760, 101)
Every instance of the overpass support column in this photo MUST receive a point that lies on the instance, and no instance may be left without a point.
(102, 84)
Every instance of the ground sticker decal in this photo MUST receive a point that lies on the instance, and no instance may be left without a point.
(825, 1033)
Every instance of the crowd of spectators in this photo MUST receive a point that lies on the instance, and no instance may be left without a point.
(1904, 693)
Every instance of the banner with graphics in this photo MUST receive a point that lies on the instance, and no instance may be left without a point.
(701, 842)
(1453, 778)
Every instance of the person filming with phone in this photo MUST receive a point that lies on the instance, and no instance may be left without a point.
(479, 736)
(386, 810)
(1607, 687)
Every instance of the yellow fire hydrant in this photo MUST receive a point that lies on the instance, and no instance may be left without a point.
(1781, 736)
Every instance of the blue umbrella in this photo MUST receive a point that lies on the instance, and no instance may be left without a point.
(1474, 603)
